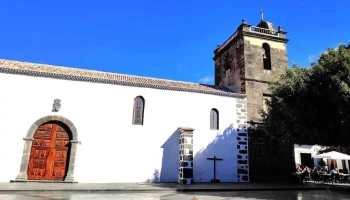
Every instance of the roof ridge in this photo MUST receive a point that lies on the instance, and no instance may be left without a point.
(79, 74)
(96, 71)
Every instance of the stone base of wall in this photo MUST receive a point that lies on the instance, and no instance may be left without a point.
(242, 142)
(269, 160)
(186, 180)
(186, 156)
(242, 156)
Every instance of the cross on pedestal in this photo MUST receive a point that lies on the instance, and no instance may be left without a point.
(262, 14)
(214, 180)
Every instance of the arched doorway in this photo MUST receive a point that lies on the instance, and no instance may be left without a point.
(39, 151)
(49, 152)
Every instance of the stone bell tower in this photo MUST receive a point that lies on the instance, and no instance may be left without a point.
(251, 58)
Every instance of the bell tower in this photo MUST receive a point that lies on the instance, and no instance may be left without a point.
(246, 63)
(251, 58)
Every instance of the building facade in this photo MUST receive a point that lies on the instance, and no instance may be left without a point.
(74, 125)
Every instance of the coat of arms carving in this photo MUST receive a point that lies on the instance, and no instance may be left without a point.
(56, 105)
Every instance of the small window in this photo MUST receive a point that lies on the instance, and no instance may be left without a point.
(214, 119)
(266, 56)
(139, 107)
(266, 97)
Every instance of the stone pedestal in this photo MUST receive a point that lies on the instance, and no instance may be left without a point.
(22, 175)
(186, 156)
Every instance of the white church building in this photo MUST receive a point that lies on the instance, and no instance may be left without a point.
(74, 125)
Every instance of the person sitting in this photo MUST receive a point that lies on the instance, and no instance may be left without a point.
(314, 175)
(325, 170)
(299, 168)
(305, 173)
(306, 170)
(335, 174)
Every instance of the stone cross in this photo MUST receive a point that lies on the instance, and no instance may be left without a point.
(214, 159)
(262, 14)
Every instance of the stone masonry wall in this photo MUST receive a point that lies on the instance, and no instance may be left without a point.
(239, 65)
(229, 65)
(186, 156)
(269, 160)
(255, 92)
(254, 66)
(242, 140)
(257, 78)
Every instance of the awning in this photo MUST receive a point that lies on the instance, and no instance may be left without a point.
(333, 155)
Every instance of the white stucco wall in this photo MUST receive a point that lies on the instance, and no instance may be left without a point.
(112, 149)
(340, 164)
(312, 149)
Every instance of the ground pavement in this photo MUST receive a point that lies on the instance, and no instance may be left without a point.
(164, 187)
(242, 195)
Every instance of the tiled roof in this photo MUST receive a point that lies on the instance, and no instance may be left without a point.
(60, 72)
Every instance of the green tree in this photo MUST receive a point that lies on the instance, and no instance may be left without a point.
(312, 105)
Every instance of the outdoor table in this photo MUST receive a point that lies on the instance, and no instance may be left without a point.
(323, 176)
(344, 177)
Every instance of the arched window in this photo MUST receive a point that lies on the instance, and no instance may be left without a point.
(214, 119)
(266, 56)
(139, 107)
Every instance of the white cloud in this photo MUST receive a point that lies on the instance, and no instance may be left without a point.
(312, 58)
(315, 57)
(206, 79)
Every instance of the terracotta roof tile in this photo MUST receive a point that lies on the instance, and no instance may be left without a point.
(26, 68)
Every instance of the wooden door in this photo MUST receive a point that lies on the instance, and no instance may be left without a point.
(48, 158)
(329, 163)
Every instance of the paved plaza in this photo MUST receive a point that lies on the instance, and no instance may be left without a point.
(162, 187)
(171, 191)
(243, 195)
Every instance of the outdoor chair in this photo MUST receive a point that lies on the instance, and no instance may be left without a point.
(307, 178)
(315, 178)
(346, 179)
(327, 179)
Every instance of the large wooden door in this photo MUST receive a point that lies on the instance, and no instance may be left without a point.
(48, 158)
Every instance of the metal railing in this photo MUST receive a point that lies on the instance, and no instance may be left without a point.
(264, 31)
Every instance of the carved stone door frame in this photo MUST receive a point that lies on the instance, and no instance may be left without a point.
(22, 176)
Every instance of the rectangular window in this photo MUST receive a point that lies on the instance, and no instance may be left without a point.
(344, 164)
(266, 97)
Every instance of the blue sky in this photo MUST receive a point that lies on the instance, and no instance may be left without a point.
(162, 39)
